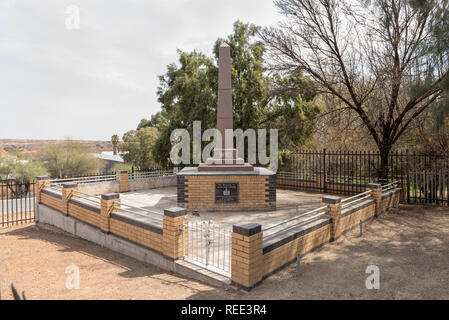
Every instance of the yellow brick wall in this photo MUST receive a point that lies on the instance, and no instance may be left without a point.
(247, 259)
(138, 235)
(354, 218)
(252, 193)
(288, 252)
(85, 215)
(172, 237)
(50, 201)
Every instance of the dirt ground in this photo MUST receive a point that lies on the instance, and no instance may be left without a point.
(410, 246)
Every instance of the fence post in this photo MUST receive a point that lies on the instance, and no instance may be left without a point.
(109, 203)
(247, 255)
(334, 213)
(324, 171)
(172, 233)
(408, 176)
(123, 181)
(321, 181)
(403, 186)
(41, 183)
(376, 192)
(67, 192)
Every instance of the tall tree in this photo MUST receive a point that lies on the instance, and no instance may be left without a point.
(115, 140)
(376, 57)
(137, 147)
(157, 120)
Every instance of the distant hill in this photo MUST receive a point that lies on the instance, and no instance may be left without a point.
(27, 148)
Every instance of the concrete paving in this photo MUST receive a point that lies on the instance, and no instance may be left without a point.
(289, 204)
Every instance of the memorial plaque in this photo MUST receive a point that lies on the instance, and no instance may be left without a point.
(226, 192)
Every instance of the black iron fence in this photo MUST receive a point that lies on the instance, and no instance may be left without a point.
(17, 203)
(424, 177)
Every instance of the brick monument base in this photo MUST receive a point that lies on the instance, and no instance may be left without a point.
(226, 190)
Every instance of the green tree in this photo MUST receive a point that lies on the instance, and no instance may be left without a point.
(157, 120)
(115, 140)
(7, 164)
(69, 159)
(19, 174)
(122, 167)
(137, 147)
(188, 93)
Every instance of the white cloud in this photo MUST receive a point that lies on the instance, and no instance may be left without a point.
(101, 79)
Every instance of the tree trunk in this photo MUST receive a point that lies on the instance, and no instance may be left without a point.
(384, 152)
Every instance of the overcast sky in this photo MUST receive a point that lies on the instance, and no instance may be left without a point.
(100, 79)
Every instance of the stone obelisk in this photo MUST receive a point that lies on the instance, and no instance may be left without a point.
(225, 156)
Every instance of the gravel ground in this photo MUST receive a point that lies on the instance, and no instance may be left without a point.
(409, 245)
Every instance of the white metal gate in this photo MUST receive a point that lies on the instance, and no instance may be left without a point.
(208, 245)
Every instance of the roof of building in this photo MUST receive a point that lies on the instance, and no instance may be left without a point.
(109, 155)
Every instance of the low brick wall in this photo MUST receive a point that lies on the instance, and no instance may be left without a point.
(85, 212)
(285, 248)
(256, 256)
(159, 233)
(51, 199)
(137, 230)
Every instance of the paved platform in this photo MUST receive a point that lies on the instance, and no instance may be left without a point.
(289, 203)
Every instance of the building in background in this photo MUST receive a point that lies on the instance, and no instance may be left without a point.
(110, 160)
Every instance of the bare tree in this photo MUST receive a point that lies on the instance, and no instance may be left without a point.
(376, 57)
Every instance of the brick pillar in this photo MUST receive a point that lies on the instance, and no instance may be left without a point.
(247, 255)
(67, 193)
(172, 232)
(109, 203)
(41, 183)
(321, 180)
(123, 181)
(334, 213)
(376, 193)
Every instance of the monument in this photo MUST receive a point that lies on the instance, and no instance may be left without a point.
(225, 182)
